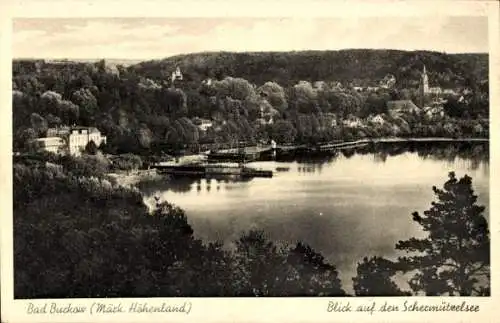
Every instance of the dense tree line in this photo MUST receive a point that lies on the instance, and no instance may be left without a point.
(358, 66)
(140, 111)
(76, 234)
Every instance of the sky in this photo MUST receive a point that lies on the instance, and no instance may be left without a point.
(152, 38)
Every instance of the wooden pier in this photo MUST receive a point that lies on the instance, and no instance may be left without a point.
(243, 155)
(248, 154)
(344, 145)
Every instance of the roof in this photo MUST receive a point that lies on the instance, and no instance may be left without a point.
(65, 130)
(435, 89)
(90, 129)
(45, 139)
(48, 142)
(433, 108)
(401, 105)
(59, 129)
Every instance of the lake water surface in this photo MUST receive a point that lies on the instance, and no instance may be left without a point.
(346, 207)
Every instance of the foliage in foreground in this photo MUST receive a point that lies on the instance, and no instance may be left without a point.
(452, 259)
(85, 237)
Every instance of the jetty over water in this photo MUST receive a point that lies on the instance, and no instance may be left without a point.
(365, 142)
(343, 145)
(245, 154)
(252, 153)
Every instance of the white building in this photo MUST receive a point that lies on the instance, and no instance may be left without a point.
(435, 90)
(264, 121)
(80, 137)
(372, 88)
(449, 92)
(54, 145)
(388, 81)
(399, 107)
(352, 122)
(434, 111)
(378, 119)
(319, 85)
(465, 91)
(176, 75)
(69, 140)
(335, 85)
(205, 124)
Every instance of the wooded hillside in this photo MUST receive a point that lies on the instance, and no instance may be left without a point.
(362, 66)
(253, 96)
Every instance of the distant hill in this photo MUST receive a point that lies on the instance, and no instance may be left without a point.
(361, 66)
(32, 66)
(109, 61)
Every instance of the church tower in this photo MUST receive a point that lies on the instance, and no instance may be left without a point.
(425, 81)
(424, 87)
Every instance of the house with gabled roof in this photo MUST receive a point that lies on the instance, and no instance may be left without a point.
(398, 107)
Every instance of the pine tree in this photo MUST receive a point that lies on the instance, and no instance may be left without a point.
(454, 258)
(91, 148)
(374, 278)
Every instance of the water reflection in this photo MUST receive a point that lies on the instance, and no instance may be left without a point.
(462, 155)
(186, 184)
(346, 205)
(475, 153)
(310, 169)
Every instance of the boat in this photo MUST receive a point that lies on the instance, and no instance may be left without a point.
(251, 172)
(183, 170)
(212, 170)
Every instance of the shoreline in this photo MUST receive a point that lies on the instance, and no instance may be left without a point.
(360, 141)
(429, 139)
(134, 177)
(338, 145)
(288, 146)
(392, 140)
(401, 139)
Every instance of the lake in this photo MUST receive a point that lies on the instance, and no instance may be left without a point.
(347, 206)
